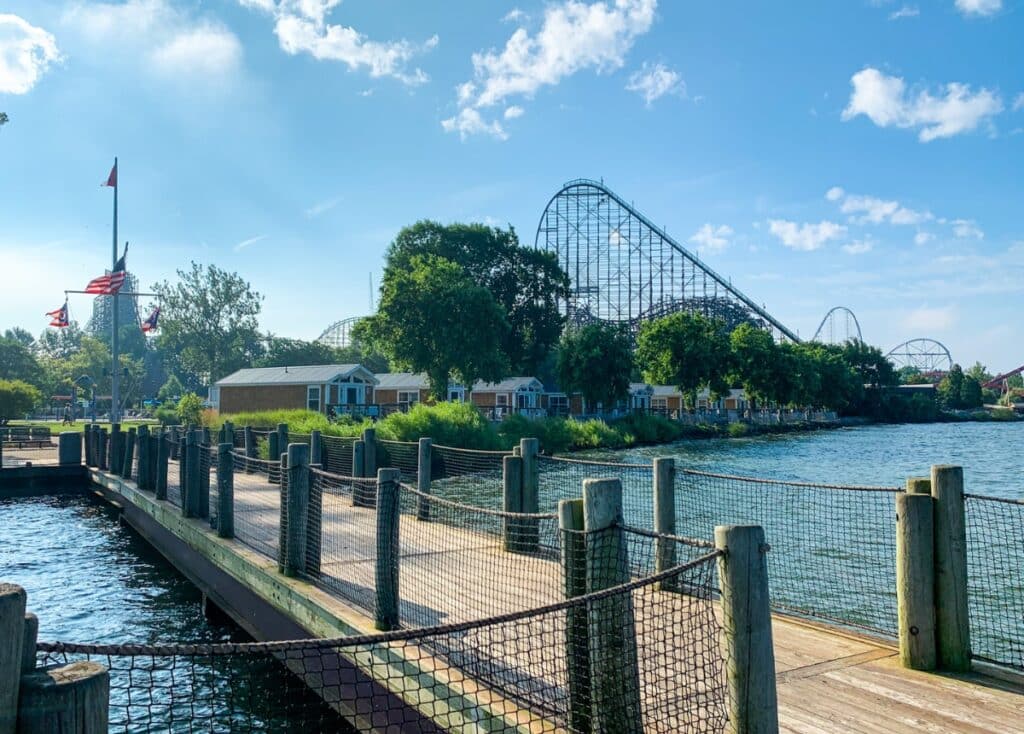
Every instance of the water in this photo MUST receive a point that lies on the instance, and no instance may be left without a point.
(90, 579)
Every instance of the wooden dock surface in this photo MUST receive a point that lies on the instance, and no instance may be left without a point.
(828, 680)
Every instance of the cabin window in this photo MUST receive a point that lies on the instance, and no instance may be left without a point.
(408, 396)
(659, 403)
(501, 399)
(313, 397)
(558, 402)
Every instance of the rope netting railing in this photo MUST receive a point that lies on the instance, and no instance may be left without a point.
(995, 578)
(401, 455)
(627, 658)
(257, 495)
(561, 478)
(337, 454)
(467, 475)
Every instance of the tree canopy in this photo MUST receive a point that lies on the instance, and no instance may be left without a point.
(434, 318)
(597, 361)
(16, 398)
(687, 350)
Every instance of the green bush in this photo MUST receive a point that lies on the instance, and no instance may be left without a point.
(17, 398)
(448, 424)
(298, 421)
(650, 428)
(738, 430)
(167, 414)
(190, 409)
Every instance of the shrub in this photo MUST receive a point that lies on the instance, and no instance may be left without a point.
(448, 424)
(738, 430)
(17, 398)
(650, 428)
(190, 409)
(167, 414)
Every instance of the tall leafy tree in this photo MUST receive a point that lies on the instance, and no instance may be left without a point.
(528, 284)
(687, 350)
(951, 387)
(283, 352)
(20, 335)
(16, 398)
(60, 343)
(434, 318)
(597, 361)
(208, 323)
(18, 363)
(755, 362)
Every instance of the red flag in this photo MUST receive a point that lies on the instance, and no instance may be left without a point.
(59, 316)
(112, 178)
(109, 284)
(150, 323)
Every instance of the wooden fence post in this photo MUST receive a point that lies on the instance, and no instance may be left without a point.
(370, 452)
(915, 580)
(386, 573)
(282, 439)
(225, 491)
(163, 456)
(614, 668)
(116, 449)
(362, 496)
(142, 478)
(204, 474)
(69, 448)
(250, 447)
(101, 450)
(129, 454)
(512, 501)
(952, 624)
(316, 448)
(297, 509)
(752, 702)
(89, 435)
(665, 519)
(190, 476)
(423, 455)
(12, 620)
(314, 525)
(577, 645)
(154, 456)
(529, 538)
(274, 454)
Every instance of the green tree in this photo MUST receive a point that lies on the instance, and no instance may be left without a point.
(527, 283)
(979, 372)
(755, 363)
(434, 318)
(284, 352)
(60, 343)
(208, 326)
(951, 388)
(871, 365)
(970, 393)
(170, 390)
(16, 399)
(18, 363)
(22, 336)
(597, 361)
(687, 350)
(190, 409)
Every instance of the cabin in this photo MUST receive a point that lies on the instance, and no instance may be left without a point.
(666, 400)
(407, 388)
(511, 395)
(338, 388)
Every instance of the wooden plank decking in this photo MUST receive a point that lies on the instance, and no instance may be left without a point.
(828, 681)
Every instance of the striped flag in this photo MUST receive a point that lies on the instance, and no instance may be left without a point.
(59, 316)
(112, 178)
(150, 323)
(109, 284)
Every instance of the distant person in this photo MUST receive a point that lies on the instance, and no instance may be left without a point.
(68, 419)
(332, 414)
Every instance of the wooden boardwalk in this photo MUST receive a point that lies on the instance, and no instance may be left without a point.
(828, 680)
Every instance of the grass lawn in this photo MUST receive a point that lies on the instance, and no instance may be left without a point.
(79, 425)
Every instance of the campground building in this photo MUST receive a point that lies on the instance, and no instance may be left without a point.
(346, 388)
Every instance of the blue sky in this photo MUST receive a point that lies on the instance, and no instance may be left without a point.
(863, 153)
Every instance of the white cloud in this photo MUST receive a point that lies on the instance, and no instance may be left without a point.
(169, 41)
(323, 206)
(967, 229)
(886, 102)
(923, 238)
(301, 27)
(906, 11)
(979, 7)
(925, 320)
(710, 238)
(515, 15)
(872, 210)
(805, 237)
(1018, 103)
(835, 193)
(654, 82)
(857, 248)
(251, 241)
(26, 52)
(513, 112)
(573, 36)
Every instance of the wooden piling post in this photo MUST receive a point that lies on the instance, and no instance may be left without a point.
(101, 450)
(370, 452)
(115, 460)
(577, 644)
(142, 478)
(314, 525)
(163, 455)
(665, 519)
(273, 453)
(12, 637)
(204, 474)
(154, 464)
(190, 476)
(69, 448)
(386, 573)
(316, 448)
(529, 537)
(752, 702)
(358, 455)
(225, 491)
(250, 447)
(28, 645)
(614, 669)
(69, 698)
(362, 496)
(512, 501)
(89, 437)
(919, 485)
(952, 625)
(915, 580)
(424, 449)
(129, 454)
(282, 439)
(297, 508)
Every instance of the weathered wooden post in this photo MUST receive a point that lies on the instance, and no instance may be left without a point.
(205, 459)
(614, 670)
(129, 454)
(424, 448)
(386, 574)
(116, 449)
(274, 454)
(952, 625)
(12, 620)
(190, 475)
(143, 472)
(297, 509)
(665, 519)
(250, 447)
(314, 524)
(90, 446)
(154, 456)
(358, 458)
(752, 702)
(101, 449)
(370, 452)
(163, 455)
(316, 448)
(529, 538)
(577, 639)
(915, 576)
(512, 501)
(282, 439)
(69, 448)
(225, 491)
(362, 495)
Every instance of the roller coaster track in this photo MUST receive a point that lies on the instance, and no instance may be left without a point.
(624, 268)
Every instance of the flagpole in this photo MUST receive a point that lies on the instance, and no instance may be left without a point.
(115, 368)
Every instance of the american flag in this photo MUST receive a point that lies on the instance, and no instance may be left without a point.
(150, 323)
(59, 316)
(109, 284)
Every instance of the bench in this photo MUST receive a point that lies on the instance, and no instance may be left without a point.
(26, 437)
